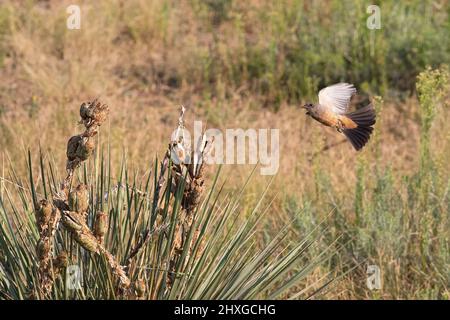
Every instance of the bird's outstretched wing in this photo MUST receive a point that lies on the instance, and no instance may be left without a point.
(337, 97)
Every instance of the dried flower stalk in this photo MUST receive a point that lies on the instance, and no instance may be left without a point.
(188, 169)
(47, 218)
(71, 206)
(79, 149)
(76, 225)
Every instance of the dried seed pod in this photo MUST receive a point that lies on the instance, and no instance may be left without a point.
(43, 213)
(87, 240)
(192, 193)
(178, 153)
(100, 225)
(79, 148)
(72, 147)
(85, 149)
(86, 111)
(61, 261)
(100, 114)
(42, 249)
(72, 221)
(93, 114)
(79, 199)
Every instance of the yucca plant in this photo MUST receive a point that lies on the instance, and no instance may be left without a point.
(160, 236)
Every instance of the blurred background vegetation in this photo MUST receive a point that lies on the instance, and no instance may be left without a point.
(250, 64)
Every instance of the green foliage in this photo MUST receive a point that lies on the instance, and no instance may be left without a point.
(403, 225)
(432, 86)
(295, 47)
(359, 191)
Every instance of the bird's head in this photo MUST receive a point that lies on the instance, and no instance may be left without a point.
(308, 106)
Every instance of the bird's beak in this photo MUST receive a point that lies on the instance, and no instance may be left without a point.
(303, 107)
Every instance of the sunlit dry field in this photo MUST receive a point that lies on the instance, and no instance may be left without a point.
(232, 64)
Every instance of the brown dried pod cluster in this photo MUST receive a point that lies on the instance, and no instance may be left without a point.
(192, 175)
(47, 218)
(192, 193)
(188, 166)
(79, 199)
(76, 224)
(43, 214)
(100, 225)
(61, 261)
(71, 206)
(93, 113)
(188, 171)
(80, 147)
(42, 249)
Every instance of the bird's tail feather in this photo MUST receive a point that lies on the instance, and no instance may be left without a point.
(364, 119)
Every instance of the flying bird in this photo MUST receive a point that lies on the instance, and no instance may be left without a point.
(332, 109)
